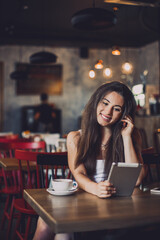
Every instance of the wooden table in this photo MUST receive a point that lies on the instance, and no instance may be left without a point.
(86, 212)
(9, 163)
(12, 164)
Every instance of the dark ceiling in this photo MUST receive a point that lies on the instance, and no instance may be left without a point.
(48, 22)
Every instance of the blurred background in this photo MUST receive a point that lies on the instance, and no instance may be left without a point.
(52, 46)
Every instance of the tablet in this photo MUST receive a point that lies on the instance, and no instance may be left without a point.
(155, 190)
(124, 176)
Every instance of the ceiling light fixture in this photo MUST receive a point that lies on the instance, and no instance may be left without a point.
(99, 64)
(93, 19)
(139, 3)
(127, 68)
(92, 74)
(107, 72)
(43, 57)
(116, 51)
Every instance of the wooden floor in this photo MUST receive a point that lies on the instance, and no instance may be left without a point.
(3, 232)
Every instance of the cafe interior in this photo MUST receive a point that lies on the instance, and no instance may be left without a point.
(67, 49)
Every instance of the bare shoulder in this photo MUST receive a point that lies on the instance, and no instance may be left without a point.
(73, 138)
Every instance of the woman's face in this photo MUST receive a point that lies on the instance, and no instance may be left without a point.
(109, 109)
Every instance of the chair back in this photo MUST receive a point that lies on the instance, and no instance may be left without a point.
(7, 150)
(49, 138)
(29, 145)
(144, 138)
(34, 167)
(9, 137)
(5, 133)
(28, 169)
(156, 137)
(152, 162)
(53, 165)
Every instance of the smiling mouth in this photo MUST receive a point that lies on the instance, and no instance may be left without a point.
(107, 119)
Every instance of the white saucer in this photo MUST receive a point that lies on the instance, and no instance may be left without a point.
(61, 193)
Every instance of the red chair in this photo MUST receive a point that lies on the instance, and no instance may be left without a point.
(11, 186)
(20, 204)
(9, 137)
(8, 145)
(4, 139)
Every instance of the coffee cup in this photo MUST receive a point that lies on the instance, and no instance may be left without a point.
(64, 184)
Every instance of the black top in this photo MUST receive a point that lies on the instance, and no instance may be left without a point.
(45, 111)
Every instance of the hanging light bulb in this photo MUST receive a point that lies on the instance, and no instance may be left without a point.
(99, 64)
(116, 51)
(127, 68)
(107, 72)
(92, 74)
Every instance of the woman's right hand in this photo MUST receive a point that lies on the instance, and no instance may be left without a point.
(105, 189)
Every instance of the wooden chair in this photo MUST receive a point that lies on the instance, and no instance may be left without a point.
(54, 162)
(152, 161)
(156, 138)
(11, 186)
(7, 149)
(144, 138)
(6, 138)
(34, 179)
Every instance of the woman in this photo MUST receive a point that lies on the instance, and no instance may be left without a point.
(107, 134)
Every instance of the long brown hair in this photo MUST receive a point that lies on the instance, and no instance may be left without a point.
(90, 141)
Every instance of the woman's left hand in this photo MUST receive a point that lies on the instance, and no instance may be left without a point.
(128, 126)
(105, 189)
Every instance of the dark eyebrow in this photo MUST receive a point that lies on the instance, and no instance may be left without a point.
(110, 102)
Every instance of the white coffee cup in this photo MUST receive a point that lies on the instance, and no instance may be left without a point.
(64, 184)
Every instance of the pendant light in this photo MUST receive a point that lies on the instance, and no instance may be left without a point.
(93, 19)
(19, 74)
(107, 72)
(116, 51)
(127, 67)
(43, 57)
(92, 74)
(99, 64)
